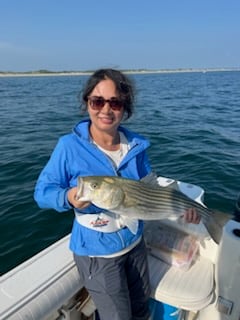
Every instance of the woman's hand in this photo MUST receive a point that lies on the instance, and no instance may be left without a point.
(71, 195)
(191, 216)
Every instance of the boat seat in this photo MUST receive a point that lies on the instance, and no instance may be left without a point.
(189, 290)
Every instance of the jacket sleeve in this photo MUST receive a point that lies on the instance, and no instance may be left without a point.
(53, 183)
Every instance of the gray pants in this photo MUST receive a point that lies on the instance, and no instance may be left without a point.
(118, 286)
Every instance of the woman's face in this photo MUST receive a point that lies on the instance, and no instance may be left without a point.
(106, 118)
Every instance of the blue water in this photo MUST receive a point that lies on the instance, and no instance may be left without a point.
(191, 119)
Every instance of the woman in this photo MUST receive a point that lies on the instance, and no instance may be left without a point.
(111, 260)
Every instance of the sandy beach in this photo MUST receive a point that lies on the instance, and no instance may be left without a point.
(82, 73)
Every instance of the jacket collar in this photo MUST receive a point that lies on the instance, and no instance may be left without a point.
(82, 131)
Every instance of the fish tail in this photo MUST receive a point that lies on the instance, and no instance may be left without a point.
(215, 223)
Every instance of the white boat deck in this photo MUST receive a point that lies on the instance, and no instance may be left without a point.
(50, 278)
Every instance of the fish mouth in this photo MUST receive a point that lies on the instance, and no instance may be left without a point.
(79, 189)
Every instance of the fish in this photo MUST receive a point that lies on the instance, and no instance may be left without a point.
(137, 199)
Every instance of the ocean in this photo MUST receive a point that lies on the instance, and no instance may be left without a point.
(191, 119)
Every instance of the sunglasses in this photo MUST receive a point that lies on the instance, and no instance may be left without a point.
(97, 103)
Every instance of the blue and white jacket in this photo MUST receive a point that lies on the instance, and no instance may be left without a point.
(76, 155)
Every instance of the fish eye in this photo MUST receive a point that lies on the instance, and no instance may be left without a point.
(94, 185)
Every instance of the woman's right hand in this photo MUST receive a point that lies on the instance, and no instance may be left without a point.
(71, 195)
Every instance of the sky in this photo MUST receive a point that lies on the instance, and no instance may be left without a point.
(76, 35)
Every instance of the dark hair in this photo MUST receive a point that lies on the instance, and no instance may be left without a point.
(124, 87)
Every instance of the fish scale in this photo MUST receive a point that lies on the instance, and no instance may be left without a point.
(143, 194)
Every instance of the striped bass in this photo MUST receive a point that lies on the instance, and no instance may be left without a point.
(134, 199)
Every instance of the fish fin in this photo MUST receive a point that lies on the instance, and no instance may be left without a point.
(150, 179)
(222, 218)
(132, 224)
(215, 224)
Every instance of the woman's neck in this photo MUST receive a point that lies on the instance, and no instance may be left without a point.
(108, 141)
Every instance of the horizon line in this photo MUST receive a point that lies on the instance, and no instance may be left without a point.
(139, 70)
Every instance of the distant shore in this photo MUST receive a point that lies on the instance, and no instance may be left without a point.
(44, 73)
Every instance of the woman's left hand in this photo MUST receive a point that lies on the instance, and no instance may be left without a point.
(191, 216)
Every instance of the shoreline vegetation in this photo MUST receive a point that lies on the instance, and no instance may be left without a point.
(44, 72)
